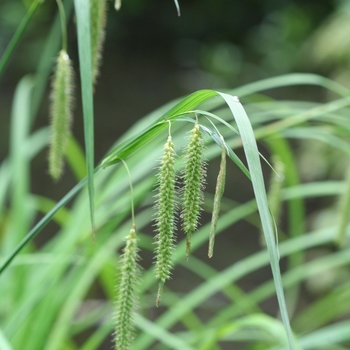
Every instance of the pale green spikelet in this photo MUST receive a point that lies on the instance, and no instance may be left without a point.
(98, 11)
(219, 191)
(344, 212)
(194, 179)
(61, 113)
(165, 216)
(126, 294)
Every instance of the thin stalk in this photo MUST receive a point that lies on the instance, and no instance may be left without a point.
(131, 193)
(63, 24)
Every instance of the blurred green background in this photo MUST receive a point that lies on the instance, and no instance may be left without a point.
(153, 56)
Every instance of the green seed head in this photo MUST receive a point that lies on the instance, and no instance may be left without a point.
(165, 216)
(219, 191)
(61, 113)
(194, 179)
(126, 294)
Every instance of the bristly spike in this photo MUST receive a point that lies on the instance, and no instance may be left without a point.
(165, 216)
(194, 181)
(126, 298)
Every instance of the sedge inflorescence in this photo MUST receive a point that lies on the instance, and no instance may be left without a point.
(167, 198)
(165, 216)
(191, 197)
(194, 179)
(126, 293)
(61, 113)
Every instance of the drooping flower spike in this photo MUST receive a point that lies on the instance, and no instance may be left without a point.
(61, 113)
(194, 180)
(165, 215)
(126, 293)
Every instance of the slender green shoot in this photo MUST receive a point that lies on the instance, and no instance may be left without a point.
(131, 193)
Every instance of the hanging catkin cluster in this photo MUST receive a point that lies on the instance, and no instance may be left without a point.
(192, 196)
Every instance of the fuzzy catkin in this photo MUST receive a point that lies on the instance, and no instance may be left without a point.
(61, 113)
(98, 10)
(126, 294)
(219, 191)
(165, 216)
(194, 179)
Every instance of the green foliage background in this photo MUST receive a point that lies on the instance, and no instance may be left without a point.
(58, 292)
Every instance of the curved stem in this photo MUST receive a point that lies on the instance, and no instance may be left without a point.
(63, 24)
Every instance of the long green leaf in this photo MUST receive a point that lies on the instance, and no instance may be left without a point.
(82, 10)
(41, 224)
(253, 159)
(20, 122)
(290, 80)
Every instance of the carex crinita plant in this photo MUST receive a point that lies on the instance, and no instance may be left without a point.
(61, 113)
(126, 299)
(219, 191)
(165, 216)
(194, 181)
(98, 10)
